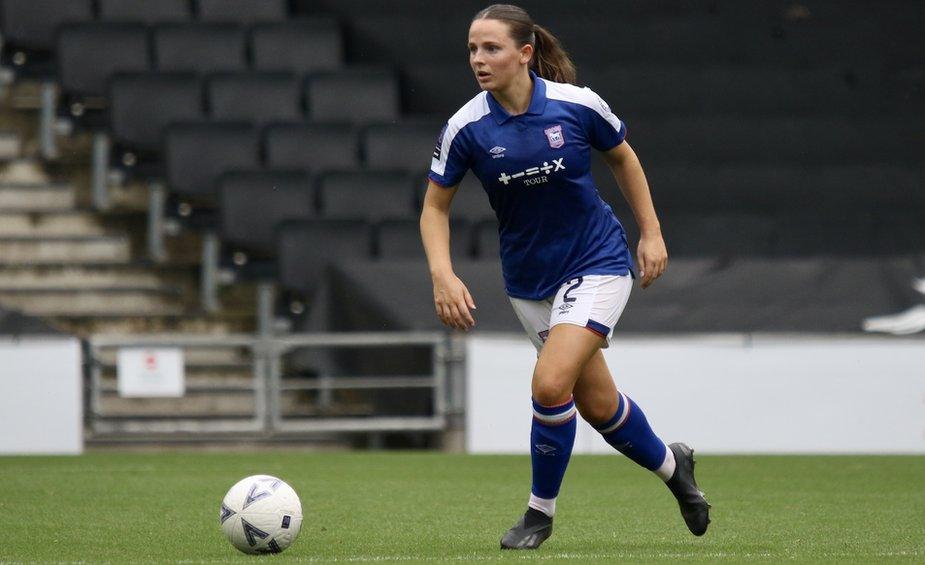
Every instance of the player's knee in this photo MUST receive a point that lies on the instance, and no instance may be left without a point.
(551, 391)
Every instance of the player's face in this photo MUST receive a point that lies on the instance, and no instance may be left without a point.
(493, 55)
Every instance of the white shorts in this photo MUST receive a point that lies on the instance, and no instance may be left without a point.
(593, 301)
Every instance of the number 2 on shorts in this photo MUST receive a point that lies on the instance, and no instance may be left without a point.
(565, 297)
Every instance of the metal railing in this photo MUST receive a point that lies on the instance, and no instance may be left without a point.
(268, 384)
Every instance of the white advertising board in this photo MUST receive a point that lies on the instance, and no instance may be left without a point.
(724, 394)
(41, 396)
(147, 372)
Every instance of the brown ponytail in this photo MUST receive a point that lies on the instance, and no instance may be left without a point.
(550, 60)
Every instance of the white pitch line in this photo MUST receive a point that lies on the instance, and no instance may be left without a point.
(564, 556)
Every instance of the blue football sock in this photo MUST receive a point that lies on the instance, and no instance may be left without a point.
(551, 441)
(630, 434)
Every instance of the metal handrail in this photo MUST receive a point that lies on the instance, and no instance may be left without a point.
(268, 384)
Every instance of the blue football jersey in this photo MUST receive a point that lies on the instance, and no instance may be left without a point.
(536, 169)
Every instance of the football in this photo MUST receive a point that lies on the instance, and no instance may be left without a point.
(261, 514)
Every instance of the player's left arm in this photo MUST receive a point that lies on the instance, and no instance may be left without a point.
(652, 255)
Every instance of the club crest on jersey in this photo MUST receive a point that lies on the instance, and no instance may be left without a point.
(554, 136)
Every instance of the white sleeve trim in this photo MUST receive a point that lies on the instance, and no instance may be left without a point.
(585, 97)
(473, 111)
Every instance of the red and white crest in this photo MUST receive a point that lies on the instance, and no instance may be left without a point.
(554, 136)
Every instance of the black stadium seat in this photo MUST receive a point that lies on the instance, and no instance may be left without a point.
(142, 105)
(32, 24)
(197, 154)
(305, 248)
(252, 203)
(370, 194)
(470, 201)
(313, 147)
(90, 53)
(355, 95)
(254, 97)
(485, 239)
(28, 31)
(437, 89)
(408, 146)
(242, 11)
(401, 239)
(201, 48)
(720, 234)
(145, 11)
(298, 46)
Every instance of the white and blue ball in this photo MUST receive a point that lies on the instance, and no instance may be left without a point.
(261, 514)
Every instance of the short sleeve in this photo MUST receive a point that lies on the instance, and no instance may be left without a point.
(605, 130)
(451, 159)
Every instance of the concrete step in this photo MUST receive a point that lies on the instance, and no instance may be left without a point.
(36, 197)
(78, 277)
(225, 404)
(229, 359)
(197, 379)
(64, 250)
(193, 404)
(10, 145)
(51, 223)
(24, 170)
(94, 301)
(188, 322)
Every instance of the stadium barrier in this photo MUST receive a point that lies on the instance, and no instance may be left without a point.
(41, 408)
(267, 385)
(725, 393)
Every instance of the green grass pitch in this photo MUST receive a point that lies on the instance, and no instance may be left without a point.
(430, 507)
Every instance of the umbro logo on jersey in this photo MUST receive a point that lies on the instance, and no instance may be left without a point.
(497, 152)
(546, 168)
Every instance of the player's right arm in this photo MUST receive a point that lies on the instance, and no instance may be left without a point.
(451, 297)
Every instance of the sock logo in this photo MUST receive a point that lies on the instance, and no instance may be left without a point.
(544, 449)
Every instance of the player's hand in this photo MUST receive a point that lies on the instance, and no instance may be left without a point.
(453, 302)
(652, 258)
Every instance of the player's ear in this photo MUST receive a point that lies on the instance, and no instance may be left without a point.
(526, 53)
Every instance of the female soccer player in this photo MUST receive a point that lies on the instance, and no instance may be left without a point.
(566, 265)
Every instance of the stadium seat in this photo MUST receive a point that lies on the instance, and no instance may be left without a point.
(401, 239)
(369, 194)
(314, 147)
(827, 233)
(201, 48)
(744, 90)
(700, 234)
(354, 95)
(197, 154)
(470, 201)
(244, 12)
(300, 46)
(306, 248)
(32, 24)
(815, 140)
(486, 242)
(404, 145)
(142, 105)
(145, 11)
(29, 28)
(437, 89)
(90, 53)
(254, 97)
(252, 203)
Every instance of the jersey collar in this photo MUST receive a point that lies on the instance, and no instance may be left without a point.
(537, 101)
